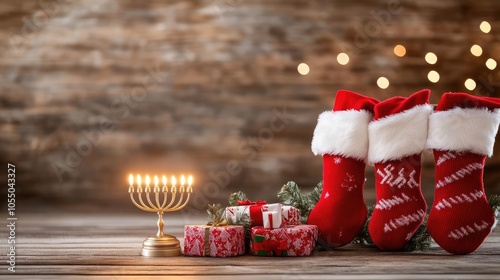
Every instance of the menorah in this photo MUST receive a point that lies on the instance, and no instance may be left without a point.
(160, 245)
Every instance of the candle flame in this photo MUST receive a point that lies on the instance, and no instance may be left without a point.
(131, 179)
(190, 180)
(139, 180)
(174, 181)
(156, 180)
(183, 180)
(164, 180)
(148, 180)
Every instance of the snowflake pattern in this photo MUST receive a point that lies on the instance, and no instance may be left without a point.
(337, 160)
(349, 182)
(301, 239)
(223, 241)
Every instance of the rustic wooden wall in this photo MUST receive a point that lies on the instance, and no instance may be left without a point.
(171, 86)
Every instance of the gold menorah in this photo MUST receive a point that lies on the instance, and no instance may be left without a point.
(160, 245)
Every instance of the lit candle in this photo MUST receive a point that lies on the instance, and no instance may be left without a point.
(131, 183)
(164, 181)
(174, 181)
(190, 182)
(157, 189)
(183, 182)
(139, 188)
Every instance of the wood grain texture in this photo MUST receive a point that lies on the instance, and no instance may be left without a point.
(66, 66)
(64, 245)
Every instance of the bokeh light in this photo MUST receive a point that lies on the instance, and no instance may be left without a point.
(485, 27)
(342, 58)
(303, 69)
(433, 76)
(400, 50)
(470, 84)
(383, 82)
(491, 63)
(476, 50)
(431, 58)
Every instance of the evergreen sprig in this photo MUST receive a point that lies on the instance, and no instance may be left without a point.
(240, 219)
(234, 197)
(364, 236)
(494, 201)
(216, 213)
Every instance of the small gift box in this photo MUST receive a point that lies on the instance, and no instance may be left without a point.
(298, 240)
(272, 219)
(214, 241)
(289, 215)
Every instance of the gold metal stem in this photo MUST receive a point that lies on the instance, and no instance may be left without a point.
(160, 224)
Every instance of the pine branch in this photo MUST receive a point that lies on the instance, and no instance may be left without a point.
(364, 236)
(290, 195)
(234, 197)
(421, 239)
(494, 201)
(314, 195)
(216, 213)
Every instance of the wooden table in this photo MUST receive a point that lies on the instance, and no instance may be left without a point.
(54, 246)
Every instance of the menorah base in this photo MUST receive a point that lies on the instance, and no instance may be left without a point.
(166, 246)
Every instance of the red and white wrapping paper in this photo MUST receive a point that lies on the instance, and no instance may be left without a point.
(272, 219)
(300, 239)
(218, 241)
(289, 214)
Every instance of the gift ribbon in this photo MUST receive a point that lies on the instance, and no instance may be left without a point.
(276, 247)
(255, 211)
(207, 234)
(249, 202)
(270, 217)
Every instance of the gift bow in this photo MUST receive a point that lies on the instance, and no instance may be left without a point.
(217, 224)
(278, 247)
(249, 202)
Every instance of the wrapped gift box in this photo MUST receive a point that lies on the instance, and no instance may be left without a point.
(298, 240)
(214, 241)
(289, 214)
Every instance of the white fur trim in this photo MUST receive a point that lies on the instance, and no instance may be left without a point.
(342, 133)
(458, 129)
(399, 135)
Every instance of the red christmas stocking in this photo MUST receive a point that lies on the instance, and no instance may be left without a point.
(341, 137)
(461, 133)
(397, 137)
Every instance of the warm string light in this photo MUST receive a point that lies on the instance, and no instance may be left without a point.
(485, 27)
(342, 58)
(476, 50)
(399, 50)
(383, 82)
(433, 76)
(491, 64)
(431, 58)
(470, 84)
(303, 69)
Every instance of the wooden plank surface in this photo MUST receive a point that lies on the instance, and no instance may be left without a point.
(107, 247)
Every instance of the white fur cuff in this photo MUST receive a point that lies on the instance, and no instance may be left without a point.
(399, 135)
(467, 130)
(342, 133)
